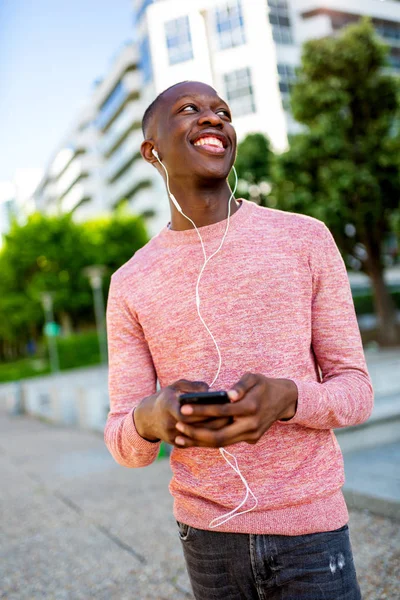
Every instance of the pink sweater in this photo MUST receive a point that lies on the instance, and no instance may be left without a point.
(278, 301)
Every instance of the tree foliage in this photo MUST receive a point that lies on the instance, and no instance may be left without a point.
(253, 166)
(344, 168)
(49, 254)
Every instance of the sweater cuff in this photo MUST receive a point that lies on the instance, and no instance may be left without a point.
(139, 444)
(304, 405)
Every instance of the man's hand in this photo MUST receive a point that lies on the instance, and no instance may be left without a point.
(257, 402)
(157, 415)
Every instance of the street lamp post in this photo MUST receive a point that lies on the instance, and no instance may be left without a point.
(95, 275)
(47, 302)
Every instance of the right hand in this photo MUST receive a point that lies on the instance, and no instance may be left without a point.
(156, 416)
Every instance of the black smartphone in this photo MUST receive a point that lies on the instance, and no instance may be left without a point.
(204, 398)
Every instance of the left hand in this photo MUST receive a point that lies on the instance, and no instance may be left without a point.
(257, 402)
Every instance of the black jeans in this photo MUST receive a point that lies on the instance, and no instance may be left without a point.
(237, 566)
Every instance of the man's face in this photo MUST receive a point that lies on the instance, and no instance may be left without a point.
(195, 136)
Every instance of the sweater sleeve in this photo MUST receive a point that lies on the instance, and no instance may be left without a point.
(344, 396)
(131, 378)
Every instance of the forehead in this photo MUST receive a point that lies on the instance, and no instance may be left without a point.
(192, 89)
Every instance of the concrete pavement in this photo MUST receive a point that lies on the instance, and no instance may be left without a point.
(76, 526)
(373, 479)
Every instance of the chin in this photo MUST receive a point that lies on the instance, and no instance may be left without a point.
(216, 171)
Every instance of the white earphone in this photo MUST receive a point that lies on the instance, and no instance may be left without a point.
(233, 513)
(174, 200)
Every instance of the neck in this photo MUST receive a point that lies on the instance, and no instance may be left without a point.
(205, 206)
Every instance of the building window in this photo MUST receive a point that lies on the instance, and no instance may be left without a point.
(287, 77)
(239, 91)
(145, 60)
(388, 30)
(229, 25)
(279, 18)
(179, 41)
(394, 61)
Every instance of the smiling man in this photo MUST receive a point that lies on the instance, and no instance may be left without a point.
(277, 300)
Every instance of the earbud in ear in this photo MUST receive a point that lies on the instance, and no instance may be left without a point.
(154, 151)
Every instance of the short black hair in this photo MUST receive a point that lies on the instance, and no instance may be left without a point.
(152, 108)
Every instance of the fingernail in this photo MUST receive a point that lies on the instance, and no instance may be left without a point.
(180, 426)
(180, 441)
(233, 394)
(186, 409)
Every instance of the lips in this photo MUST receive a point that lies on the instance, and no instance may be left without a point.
(210, 141)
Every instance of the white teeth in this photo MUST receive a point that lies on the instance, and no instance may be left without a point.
(210, 141)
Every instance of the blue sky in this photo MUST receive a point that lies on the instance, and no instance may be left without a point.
(50, 53)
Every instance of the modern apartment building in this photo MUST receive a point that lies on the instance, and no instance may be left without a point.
(98, 164)
(247, 49)
(71, 178)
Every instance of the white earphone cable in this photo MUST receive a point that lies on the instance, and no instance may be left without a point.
(224, 453)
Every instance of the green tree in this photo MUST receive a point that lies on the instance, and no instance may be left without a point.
(49, 254)
(253, 166)
(45, 254)
(344, 168)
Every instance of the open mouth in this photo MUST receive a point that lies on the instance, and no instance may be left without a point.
(211, 144)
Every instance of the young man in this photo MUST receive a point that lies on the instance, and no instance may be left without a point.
(277, 300)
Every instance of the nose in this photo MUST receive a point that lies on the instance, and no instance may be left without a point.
(209, 117)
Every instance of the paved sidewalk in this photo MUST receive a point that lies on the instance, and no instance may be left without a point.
(373, 480)
(77, 526)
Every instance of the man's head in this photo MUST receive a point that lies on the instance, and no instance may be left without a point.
(190, 127)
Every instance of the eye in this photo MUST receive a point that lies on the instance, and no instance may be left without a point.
(189, 106)
(226, 112)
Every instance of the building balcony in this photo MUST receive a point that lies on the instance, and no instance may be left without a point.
(128, 87)
(62, 160)
(80, 166)
(118, 130)
(126, 184)
(123, 155)
(372, 8)
(80, 192)
(45, 196)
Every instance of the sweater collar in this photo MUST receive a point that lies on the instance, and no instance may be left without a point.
(171, 237)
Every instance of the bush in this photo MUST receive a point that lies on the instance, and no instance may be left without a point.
(78, 350)
(364, 304)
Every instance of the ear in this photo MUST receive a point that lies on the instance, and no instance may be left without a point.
(146, 151)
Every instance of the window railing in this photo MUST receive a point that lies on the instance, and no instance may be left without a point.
(67, 179)
(108, 110)
(123, 155)
(118, 129)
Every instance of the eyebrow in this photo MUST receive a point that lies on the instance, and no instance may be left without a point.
(182, 96)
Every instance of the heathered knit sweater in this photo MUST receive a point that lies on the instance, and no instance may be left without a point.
(278, 301)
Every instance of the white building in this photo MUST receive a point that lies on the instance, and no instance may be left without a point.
(98, 163)
(7, 206)
(247, 49)
(16, 197)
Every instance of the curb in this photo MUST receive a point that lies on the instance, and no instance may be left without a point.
(379, 506)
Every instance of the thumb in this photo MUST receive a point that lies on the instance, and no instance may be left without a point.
(235, 394)
(240, 389)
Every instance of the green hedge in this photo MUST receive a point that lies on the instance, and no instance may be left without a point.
(77, 350)
(364, 304)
